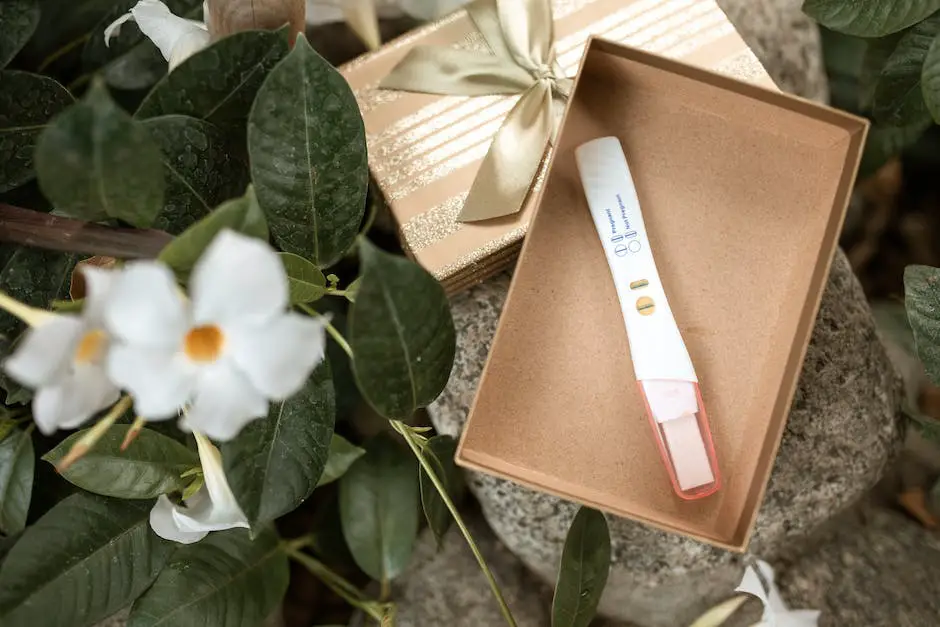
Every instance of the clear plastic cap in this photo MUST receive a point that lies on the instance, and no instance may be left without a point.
(680, 425)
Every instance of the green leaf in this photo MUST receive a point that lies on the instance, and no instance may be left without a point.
(307, 146)
(27, 102)
(877, 53)
(342, 455)
(582, 575)
(274, 464)
(239, 214)
(440, 451)
(17, 461)
(7, 425)
(352, 290)
(305, 281)
(19, 19)
(198, 167)
(922, 299)
(35, 277)
(378, 506)
(401, 333)
(94, 162)
(899, 99)
(218, 83)
(869, 18)
(151, 465)
(61, 25)
(87, 558)
(225, 580)
(131, 61)
(930, 78)
(887, 142)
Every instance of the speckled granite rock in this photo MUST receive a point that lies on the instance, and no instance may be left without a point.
(882, 570)
(446, 586)
(842, 430)
(785, 40)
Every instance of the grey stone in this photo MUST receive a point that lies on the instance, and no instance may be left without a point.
(842, 430)
(883, 569)
(785, 40)
(446, 586)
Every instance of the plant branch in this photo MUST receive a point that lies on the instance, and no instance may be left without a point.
(342, 588)
(334, 333)
(42, 230)
(409, 437)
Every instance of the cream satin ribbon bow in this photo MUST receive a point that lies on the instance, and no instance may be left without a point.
(520, 34)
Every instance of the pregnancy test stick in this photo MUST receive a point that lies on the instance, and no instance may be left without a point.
(661, 362)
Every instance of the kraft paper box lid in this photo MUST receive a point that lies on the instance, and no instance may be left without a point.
(425, 150)
(744, 191)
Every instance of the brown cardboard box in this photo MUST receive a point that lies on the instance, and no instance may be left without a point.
(743, 191)
(425, 150)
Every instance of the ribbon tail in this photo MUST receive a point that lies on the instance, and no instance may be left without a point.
(486, 17)
(362, 19)
(454, 72)
(509, 167)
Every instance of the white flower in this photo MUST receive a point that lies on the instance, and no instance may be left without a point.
(776, 613)
(212, 508)
(224, 355)
(176, 37)
(63, 359)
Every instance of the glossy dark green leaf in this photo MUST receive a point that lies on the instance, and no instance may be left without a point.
(401, 333)
(930, 79)
(274, 464)
(131, 61)
(17, 462)
(27, 103)
(87, 558)
(886, 142)
(35, 277)
(218, 83)
(342, 455)
(440, 451)
(582, 575)
(61, 25)
(198, 167)
(877, 53)
(151, 465)
(307, 147)
(922, 299)
(225, 580)
(19, 19)
(240, 214)
(95, 162)
(898, 98)
(869, 18)
(305, 281)
(378, 505)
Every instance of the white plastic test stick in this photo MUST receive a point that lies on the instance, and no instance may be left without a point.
(660, 360)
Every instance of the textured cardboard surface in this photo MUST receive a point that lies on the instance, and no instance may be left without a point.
(743, 191)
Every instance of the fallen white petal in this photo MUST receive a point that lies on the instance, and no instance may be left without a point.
(776, 613)
(114, 28)
(188, 45)
(45, 352)
(278, 355)
(158, 24)
(145, 307)
(237, 278)
(164, 525)
(160, 380)
(224, 402)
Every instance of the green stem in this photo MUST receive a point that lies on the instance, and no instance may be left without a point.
(334, 582)
(78, 82)
(334, 333)
(61, 52)
(370, 220)
(406, 433)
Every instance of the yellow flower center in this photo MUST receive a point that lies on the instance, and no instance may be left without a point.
(91, 346)
(204, 343)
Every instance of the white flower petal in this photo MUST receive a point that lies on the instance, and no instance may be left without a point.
(145, 307)
(98, 283)
(161, 381)
(163, 524)
(237, 277)
(278, 355)
(87, 390)
(200, 514)
(188, 45)
(114, 28)
(217, 508)
(45, 353)
(224, 402)
(776, 613)
(163, 28)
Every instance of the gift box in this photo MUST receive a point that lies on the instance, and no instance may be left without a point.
(426, 150)
(743, 192)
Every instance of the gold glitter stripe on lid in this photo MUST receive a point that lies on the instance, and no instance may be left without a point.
(472, 155)
(491, 247)
(433, 225)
